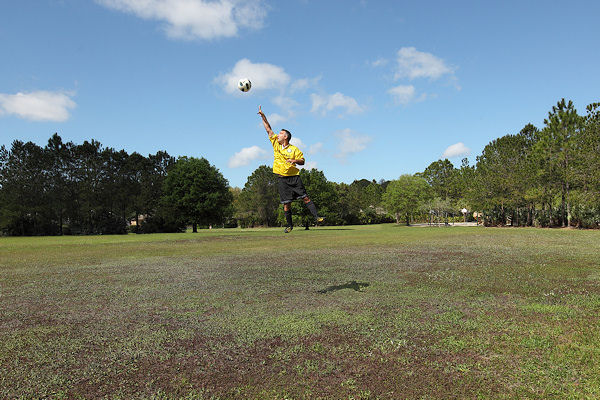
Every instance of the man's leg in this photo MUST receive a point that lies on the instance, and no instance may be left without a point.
(312, 208)
(287, 211)
(286, 196)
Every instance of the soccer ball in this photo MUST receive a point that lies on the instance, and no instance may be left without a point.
(244, 84)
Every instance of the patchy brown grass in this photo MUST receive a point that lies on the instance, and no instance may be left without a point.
(331, 364)
(439, 313)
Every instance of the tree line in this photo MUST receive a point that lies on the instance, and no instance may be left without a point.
(547, 177)
(543, 177)
(64, 188)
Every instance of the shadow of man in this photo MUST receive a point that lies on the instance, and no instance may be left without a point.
(356, 286)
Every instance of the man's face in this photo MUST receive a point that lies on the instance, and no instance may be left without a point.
(281, 137)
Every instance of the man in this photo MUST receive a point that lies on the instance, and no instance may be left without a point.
(286, 157)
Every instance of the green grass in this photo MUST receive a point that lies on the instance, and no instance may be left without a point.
(364, 312)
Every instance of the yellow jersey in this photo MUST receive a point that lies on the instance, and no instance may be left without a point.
(280, 165)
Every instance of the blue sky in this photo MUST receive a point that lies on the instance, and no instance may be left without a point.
(369, 89)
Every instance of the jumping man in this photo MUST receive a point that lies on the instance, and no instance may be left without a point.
(286, 157)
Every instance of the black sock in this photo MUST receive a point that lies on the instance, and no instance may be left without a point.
(312, 208)
(288, 217)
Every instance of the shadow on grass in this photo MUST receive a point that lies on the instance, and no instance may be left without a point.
(356, 286)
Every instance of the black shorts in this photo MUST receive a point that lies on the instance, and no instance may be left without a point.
(290, 188)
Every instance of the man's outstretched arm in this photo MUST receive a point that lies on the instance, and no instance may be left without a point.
(265, 122)
(299, 161)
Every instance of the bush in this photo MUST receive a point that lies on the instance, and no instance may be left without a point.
(161, 224)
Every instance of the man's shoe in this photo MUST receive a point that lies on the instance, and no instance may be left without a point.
(288, 229)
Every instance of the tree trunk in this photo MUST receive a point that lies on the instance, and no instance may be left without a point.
(91, 223)
(195, 227)
(568, 207)
(567, 190)
(407, 220)
(562, 207)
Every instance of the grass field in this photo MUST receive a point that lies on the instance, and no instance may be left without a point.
(364, 312)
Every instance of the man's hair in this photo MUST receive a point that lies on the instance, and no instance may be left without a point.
(289, 134)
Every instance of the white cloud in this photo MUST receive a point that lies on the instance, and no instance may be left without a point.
(315, 148)
(263, 76)
(285, 102)
(308, 165)
(379, 62)
(275, 119)
(416, 64)
(246, 156)
(287, 105)
(296, 141)
(324, 104)
(305, 83)
(456, 150)
(404, 94)
(350, 142)
(196, 19)
(38, 106)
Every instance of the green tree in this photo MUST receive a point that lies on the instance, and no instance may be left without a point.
(117, 188)
(157, 216)
(136, 167)
(442, 177)
(589, 166)
(197, 192)
(465, 183)
(371, 211)
(322, 193)
(347, 204)
(258, 201)
(586, 170)
(89, 170)
(500, 180)
(557, 147)
(58, 160)
(405, 196)
(65, 188)
(358, 203)
(439, 209)
(528, 169)
(373, 193)
(23, 181)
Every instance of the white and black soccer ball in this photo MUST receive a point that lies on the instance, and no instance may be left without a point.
(244, 84)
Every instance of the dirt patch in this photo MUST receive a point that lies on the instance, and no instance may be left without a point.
(331, 364)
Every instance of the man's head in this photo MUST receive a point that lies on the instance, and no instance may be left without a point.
(284, 137)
